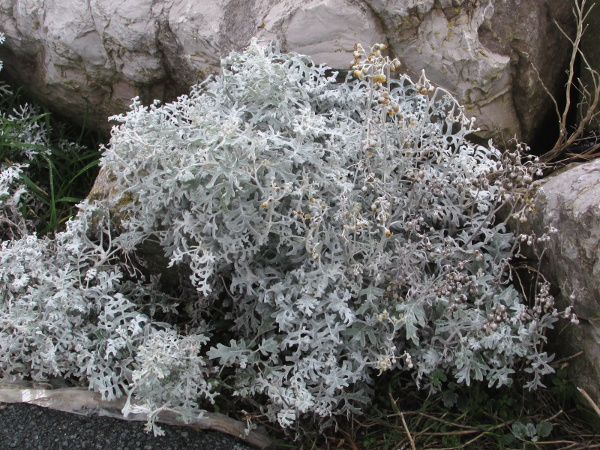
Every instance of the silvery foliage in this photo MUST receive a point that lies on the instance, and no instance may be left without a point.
(2, 39)
(69, 311)
(4, 88)
(170, 374)
(11, 190)
(342, 229)
(27, 138)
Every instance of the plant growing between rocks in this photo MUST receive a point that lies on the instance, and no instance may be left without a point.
(42, 169)
(338, 230)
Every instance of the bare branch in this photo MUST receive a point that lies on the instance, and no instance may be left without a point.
(590, 98)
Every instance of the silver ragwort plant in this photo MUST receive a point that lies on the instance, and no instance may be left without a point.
(340, 230)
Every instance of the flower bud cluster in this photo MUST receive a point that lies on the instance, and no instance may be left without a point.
(381, 208)
(389, 105)
(408, 359)
(385, 362)
(454, 283)
(545, 304)
(457, 115)
(424, 86)
(374, 66)
(395, 289)
(387, 317)
(516, 181)
(517, 174)
(495, 317)
(569, 314)
(544, 301)
(378, 68)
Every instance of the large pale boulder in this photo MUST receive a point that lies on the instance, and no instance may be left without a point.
(591, 50)
(486, 52)
(569, 201)
(96, 55)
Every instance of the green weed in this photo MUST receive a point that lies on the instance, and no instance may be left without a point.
(61, 160)
(507, 419)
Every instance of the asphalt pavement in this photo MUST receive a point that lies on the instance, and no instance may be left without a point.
(25, 427)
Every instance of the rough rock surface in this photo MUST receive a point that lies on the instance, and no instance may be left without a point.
(570, 202)
(591, 50)
(485, 53)
(96, 55)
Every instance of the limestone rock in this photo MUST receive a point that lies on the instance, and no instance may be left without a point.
(570, 202)
(591, 50)
(95, 55)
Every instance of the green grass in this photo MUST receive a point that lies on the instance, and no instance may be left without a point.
(62, 171)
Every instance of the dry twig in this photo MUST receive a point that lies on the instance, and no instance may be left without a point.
(590, 400)
(590, 96)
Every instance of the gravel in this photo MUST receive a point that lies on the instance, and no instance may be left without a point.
(24, 427)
